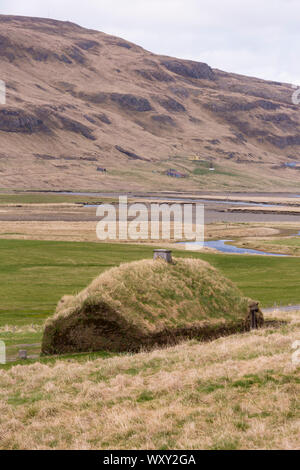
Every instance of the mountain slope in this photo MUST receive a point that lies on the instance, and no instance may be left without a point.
(79, 99)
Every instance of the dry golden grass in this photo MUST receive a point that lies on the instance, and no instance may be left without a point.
(58, 230)
(239, 392)
(20, 329)
(49, 230)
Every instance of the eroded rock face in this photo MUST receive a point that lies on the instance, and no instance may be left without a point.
(131, 102)
(280, 118)
(129, 154)
(38, 54)
(152, 75)
(75, 126)
(103, 118)
(124, 44)
(87, 44)
(268, 105)
(6, 48)
(163, 119)
(180, 91)
(244, 126)
(170, 104)
(77, 55)
(63, 58)
(42, 54)
(190, 69)
(233, 106)
(95, 118)
(19, 121)
(283, 142)
(281, 121)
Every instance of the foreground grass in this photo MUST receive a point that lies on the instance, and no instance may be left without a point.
(238, 392)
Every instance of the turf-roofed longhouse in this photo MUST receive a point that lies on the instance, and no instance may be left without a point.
(143, 304)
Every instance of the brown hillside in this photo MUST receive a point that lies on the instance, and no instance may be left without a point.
(79, 99)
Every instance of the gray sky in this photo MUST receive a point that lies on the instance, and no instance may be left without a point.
(252, 37)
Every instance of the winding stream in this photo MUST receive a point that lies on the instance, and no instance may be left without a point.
(224, 247)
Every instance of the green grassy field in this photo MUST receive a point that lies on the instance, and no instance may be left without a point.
(34, 275)
(40, 198)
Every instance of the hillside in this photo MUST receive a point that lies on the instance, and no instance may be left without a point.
(79, 99)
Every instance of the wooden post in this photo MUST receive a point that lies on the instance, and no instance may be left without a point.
(22, 354)
(253, 321)
(254, 309)
(166, 255)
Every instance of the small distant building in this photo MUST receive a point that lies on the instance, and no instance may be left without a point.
(195, 158)
(102, 170)
(175, 174)
(295, 165)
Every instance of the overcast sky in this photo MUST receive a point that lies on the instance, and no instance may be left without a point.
(252, 37)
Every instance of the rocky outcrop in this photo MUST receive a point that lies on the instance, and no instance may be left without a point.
(130, 154)
(245, 127)
(189, 69)
(170, 104)
(20, 121)
(283, 142)
(234, 106)
(63, 157)
(75, 126)
(131, 102)
(13, 51)
(164, 120)
(103, 118)
(152, 75)
(180, 91)
(87, 44)
(95, 118)
(75, 54)
(277, 118)
(6, 48)
(124, 44)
